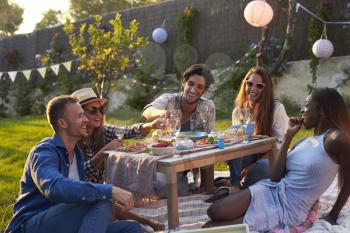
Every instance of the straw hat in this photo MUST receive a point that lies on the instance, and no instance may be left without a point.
(87, 95)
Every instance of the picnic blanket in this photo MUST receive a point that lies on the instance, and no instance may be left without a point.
(192, 211)
(326, 203)
(133, 172)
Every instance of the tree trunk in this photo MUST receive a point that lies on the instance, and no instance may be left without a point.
(287, 41)
(262, 45)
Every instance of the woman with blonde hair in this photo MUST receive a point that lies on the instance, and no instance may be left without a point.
(256, 96)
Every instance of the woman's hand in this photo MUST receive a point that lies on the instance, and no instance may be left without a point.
(294, 126)
(98, 159)
(112, 145)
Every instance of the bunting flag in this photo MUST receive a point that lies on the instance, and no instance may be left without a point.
(27, 73)
(55, 68)
(42, 71)
(67, 65)
(12, 75)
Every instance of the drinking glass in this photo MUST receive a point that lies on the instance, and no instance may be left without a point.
(244, 117)
(174, 121)
(204, 117)
(122, 128)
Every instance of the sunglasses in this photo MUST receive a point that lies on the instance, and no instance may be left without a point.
(259, 86)
(94, 110)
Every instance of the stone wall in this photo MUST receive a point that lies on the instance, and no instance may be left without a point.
(331, 73)
(219, 28)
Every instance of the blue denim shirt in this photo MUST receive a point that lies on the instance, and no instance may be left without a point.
(45, 182)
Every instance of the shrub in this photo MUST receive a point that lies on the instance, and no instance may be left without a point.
(291, 106)
(144, 83)
(12, 58)
(4, 99)
(21, 91)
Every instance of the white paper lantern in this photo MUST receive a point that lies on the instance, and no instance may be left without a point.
(160, 35)
(258, 13)
(323, 48)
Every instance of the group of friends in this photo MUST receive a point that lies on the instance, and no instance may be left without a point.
(62, 188)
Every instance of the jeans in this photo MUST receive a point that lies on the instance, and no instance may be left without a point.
(85, 218)
(257, 172)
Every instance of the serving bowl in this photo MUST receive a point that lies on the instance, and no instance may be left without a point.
(184, 144)
(161, 150)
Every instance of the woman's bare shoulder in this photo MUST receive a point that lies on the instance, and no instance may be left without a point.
(337, 137)
(337, 144)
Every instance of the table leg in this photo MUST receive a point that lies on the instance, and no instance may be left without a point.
(207, 178)
(172, 200)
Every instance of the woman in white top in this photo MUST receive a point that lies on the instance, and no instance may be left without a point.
(256, 94)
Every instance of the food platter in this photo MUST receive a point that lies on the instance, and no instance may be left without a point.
(135, 148)
(193, 135)
(204, 143)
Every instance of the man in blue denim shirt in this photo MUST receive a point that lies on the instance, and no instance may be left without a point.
(53, 195)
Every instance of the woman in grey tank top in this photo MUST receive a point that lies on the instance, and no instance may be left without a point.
(299, 178)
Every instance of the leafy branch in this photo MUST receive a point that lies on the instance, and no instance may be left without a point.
(107, 51)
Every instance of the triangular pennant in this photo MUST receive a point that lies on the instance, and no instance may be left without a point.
(42, 71)
(55, 68)
(27, 73)
(67, 65)
(12, 75)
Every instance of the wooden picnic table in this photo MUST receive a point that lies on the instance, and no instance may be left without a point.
(171, 166)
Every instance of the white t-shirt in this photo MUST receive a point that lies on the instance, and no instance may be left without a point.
(73, 170)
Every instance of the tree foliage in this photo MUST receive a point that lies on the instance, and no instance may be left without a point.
(10, 17)
(145, 81)
(81, 9)
(105, 51)
(50, 18)
(184, 55)
(184, 25)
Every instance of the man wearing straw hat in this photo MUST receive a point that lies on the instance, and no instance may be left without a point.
(53, 195)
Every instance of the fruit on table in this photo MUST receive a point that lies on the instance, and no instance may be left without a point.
(162, 144)
(201, 142)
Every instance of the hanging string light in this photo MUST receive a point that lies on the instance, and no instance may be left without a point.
(258, 13)
(323, 48)
(160, 35)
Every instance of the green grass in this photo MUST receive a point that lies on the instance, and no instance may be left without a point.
(18, 135)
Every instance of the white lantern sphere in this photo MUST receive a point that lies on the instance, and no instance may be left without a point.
(323, 48)
(160, 35)
(258, 13)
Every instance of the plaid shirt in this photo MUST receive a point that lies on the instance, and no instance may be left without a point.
(173, 101)
(110, 132)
